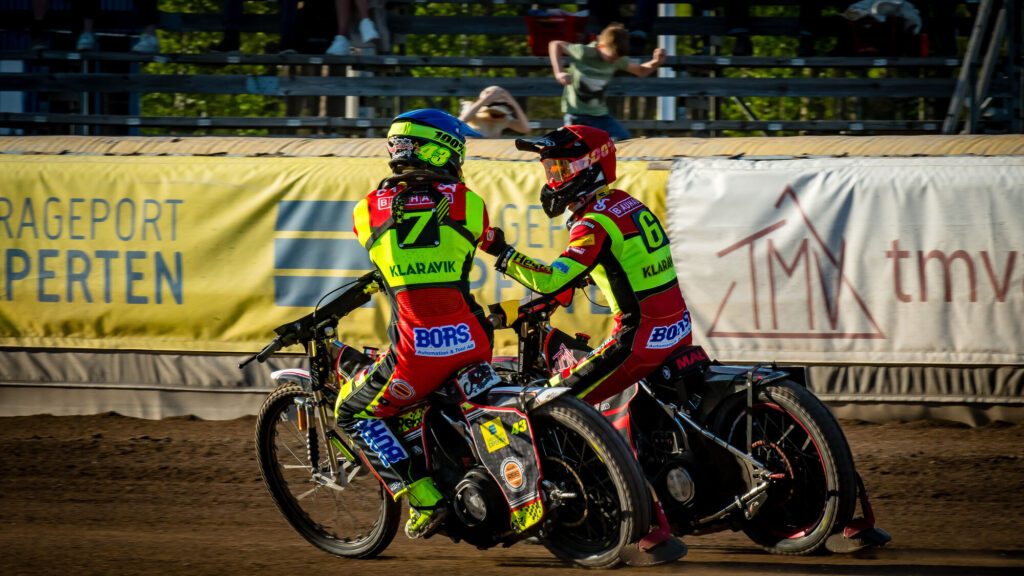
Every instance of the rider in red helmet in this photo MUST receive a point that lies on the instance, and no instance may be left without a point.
(619, 243)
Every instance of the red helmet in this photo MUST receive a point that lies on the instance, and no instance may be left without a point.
(578, 161)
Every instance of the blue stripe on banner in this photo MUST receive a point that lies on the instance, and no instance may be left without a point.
(314, 215)
(306, 291)
(320, 254)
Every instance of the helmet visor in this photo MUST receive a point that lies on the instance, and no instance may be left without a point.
(558, 171)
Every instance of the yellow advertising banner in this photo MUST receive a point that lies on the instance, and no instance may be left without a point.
(203, 254)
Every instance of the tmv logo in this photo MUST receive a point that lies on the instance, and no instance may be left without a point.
(315, 250)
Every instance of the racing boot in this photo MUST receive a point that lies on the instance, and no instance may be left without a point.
(657, 547)
(427, 509)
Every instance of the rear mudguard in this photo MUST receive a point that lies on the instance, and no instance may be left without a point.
(524, 399)
(503, 436)
(721, 382)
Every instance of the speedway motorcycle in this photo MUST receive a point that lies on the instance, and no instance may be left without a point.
(724, 447)
(513, 462)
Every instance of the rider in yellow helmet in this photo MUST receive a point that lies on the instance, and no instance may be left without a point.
(421, 227)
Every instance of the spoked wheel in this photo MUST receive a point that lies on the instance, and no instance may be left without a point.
(601, 495)
(814, 487)
(354, 521)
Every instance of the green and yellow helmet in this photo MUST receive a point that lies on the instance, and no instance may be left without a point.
(428, 139)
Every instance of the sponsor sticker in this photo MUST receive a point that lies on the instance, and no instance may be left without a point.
(443, 340)
(563, 359)
(512, 473)
(528, 263)
(560, 266)
(381, 440)
(669, 336)
(528, 515)
(413, 201)
(587, 240)
(494, 435)
(411, 420)
(478, 379)
(520, 427)
(401, 389)
(623, 207)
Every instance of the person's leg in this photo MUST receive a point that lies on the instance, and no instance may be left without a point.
(612, 126)
(608, 123)
(87, 10)
(343, 15)
(365, 405)
(289, 14)
(367, 29)
(599, 375)
(148, 18)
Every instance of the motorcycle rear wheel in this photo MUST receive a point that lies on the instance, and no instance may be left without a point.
(795, 435)
(355, 521)
(581, 452)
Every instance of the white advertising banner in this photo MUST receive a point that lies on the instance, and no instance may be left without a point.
(852, 260)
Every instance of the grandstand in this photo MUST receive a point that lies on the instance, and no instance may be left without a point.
(435, 53)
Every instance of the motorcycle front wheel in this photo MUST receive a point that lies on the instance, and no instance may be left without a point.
(799, 441)
(582, 454)
(354, 521)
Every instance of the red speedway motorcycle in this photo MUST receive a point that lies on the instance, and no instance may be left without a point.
(512, 462)
(723, 447)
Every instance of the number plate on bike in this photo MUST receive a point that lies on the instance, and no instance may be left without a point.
(477, 379)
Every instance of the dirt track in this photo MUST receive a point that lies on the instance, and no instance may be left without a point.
(114, 495)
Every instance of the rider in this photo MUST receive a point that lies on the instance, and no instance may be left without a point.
(616, 240)
(421, 227)
(619, 243)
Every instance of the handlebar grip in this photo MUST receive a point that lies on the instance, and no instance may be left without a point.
(274, 346)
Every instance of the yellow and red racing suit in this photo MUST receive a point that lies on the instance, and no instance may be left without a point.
(422, 242)
(621, 244)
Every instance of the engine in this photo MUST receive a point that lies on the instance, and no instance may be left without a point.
(480, 508)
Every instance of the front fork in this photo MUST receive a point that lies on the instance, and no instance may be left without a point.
(316, 421)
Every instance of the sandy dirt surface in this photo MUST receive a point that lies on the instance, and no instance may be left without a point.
(114, 495)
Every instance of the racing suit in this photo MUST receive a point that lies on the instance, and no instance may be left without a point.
(619, 242)
(422, 241)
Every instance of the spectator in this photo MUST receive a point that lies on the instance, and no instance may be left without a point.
(343, 10)
(494, 111)
(737, 21)
(87, 9)
(231, 42)
(148, 16)
(604, 12)
(591, 67)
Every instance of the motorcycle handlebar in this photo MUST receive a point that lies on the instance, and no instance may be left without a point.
(267, 351)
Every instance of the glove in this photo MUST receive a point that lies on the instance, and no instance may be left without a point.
(493, 242)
